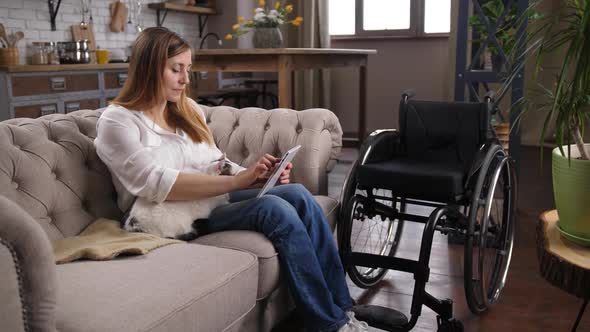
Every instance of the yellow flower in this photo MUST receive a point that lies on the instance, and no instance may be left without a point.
(228, 37)
(289, 8)
(277, 5)
(296, 23)
(262, 3)
(299, 19)
(235, 27)
(241, 19)
(250, 22)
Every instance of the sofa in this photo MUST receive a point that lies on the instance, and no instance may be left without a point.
(53, 185)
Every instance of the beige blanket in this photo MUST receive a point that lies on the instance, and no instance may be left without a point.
(104, 239)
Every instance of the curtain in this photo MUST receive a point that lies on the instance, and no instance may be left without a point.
(312, 87)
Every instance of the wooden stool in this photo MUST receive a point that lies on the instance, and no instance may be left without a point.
(563, 263)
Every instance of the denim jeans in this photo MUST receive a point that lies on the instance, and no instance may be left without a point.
(292, 220)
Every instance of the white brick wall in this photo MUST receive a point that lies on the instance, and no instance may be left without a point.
(32, 17)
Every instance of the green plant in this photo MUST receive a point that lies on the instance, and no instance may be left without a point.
(568, 99)
(507, 25)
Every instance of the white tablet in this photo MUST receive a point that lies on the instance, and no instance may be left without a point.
(274, 177)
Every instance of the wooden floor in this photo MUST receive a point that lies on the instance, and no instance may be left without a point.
(528, 302)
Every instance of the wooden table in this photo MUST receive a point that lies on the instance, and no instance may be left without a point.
(285, 61)
(563, 263)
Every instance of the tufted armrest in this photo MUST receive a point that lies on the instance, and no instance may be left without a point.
(27, 272)
(247, 134)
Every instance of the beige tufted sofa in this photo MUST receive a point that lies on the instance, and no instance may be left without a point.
(52, 185)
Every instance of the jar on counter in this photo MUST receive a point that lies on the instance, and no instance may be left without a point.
(44, 53)
(52, 53)
(38, 53)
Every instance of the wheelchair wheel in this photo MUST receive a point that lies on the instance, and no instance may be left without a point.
(490, 233)
(365, 232)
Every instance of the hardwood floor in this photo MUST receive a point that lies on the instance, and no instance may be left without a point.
(528, 302)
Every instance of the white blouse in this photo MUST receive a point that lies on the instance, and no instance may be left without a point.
(143, 158)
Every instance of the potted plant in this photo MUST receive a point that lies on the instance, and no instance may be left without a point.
(505, 32)
(568, 107)
(266, 24)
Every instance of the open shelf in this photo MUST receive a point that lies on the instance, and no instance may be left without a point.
(199, 10)
(183, 8)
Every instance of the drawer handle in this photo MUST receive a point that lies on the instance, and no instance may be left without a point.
(58, 83)
(121, 78)
(71, 107)
(48, 109)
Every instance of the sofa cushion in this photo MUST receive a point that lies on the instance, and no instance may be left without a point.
(181, 287)
(258, 244)
(49, 167)
(330, 207)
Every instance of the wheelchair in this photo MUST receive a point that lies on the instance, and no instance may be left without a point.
(447, 158)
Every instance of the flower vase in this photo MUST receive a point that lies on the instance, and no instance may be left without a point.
(267, 38)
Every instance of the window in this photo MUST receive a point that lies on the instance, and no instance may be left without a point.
(350, 18)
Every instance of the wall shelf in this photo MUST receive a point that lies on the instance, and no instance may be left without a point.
(203, 12)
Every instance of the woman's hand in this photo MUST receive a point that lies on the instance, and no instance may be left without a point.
(284, 178)
(255, 172)
(285, 175)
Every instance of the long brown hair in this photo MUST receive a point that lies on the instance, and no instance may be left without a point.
(143, 87)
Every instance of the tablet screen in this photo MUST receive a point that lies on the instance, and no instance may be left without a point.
(274, 177)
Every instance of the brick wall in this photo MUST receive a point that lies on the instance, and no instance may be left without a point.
(32, 17)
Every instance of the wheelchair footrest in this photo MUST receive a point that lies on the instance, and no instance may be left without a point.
(381, 317)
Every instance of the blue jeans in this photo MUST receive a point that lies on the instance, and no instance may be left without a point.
(292, 220)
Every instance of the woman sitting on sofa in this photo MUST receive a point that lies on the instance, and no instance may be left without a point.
(145, 136)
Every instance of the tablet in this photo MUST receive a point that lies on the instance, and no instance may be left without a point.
(274, 177)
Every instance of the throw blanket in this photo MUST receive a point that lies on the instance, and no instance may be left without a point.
(104, 239)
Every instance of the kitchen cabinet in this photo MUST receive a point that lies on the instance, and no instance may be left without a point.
(33, 91)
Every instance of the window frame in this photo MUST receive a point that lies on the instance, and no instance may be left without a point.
(416, 30)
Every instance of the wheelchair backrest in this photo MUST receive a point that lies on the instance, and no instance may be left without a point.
(449, 132)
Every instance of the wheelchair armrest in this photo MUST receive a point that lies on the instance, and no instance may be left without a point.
(382, 144)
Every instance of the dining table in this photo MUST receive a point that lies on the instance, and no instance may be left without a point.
(285, 61)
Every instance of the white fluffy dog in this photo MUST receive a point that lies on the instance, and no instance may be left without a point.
(176, 219)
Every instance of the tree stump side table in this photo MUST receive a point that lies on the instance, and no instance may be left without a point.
(564, 264)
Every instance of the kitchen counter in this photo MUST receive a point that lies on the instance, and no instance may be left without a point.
(52, 68)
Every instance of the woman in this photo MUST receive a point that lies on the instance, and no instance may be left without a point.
(152, 130)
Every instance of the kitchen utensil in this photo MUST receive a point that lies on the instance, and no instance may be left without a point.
(119, 14)
(19, 35)
(2, 32)
(90, 11)
(14, 37)
(79, 33)
(74, 52)
(134, 14)
(84, 10)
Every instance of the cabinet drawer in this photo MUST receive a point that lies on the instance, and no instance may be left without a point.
(115, 80)
(47, 84)
(86, 104)
(35, 111)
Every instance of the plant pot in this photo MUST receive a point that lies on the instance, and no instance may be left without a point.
(267, 38)
(571, 187)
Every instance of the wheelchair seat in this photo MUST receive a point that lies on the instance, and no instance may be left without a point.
(439, 182)
(437, 146)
